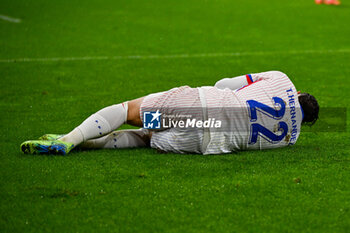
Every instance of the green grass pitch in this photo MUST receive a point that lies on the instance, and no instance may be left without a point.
(304, 188)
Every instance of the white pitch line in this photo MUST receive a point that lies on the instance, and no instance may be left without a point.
(10, 19)
(174, 56)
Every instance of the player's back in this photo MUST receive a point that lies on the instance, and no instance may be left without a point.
(264, 114)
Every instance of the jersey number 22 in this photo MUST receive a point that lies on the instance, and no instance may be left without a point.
(257, 129)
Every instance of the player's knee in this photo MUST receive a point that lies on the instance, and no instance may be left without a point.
(133, 117)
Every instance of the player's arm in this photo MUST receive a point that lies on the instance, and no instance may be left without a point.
(240, 81)
(234, 83)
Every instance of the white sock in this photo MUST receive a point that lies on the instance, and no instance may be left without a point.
(98, 124)
(120, 139)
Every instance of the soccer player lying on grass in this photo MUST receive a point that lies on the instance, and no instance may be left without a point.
(254, 111)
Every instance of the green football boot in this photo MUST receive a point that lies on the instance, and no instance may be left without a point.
(51, 137)
(46, 147)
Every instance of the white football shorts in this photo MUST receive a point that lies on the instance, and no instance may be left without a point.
(177, 101)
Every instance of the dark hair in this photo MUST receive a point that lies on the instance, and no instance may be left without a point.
(310, 108)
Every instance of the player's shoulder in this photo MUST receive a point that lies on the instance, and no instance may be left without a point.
(273, 77)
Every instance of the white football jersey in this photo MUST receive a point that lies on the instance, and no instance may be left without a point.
(258, 111)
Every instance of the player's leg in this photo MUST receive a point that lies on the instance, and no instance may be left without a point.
(332, 2)
(133, 117)
(105, 121)
(124, 138)
(130, 138)
(98, 124)
(178, 140)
